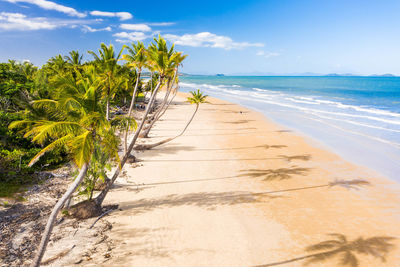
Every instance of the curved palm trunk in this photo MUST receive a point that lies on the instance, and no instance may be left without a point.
(157, 115)
(108, 109)
(53, 215)
(146, 147)
(134, 94)
(100, 198)
(125, 141)
(187, 125)
(154, 118)
(169, 103)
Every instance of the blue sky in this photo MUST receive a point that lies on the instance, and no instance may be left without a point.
(231, 37)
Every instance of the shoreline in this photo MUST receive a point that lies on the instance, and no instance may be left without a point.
(317, 143)
(341, 125)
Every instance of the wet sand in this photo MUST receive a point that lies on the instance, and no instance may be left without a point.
(239, 190)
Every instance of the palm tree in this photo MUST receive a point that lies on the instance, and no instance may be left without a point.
(162, 60)
(74, 58)
(125, 124)
(107, 63)
(196, 98)
(136, 59)
(57, 64)
(377, 246)
(164, 106)
(75, 120)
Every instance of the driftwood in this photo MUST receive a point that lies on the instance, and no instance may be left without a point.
(58, 256)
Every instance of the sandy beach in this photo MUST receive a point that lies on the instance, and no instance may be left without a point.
(238, 190)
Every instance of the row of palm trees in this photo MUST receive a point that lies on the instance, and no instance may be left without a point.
(77, 114)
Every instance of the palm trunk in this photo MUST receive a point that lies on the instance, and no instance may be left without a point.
(100, 198)
(126, 141)
(187, 125)
(157, 115)
(154, 118)
(108, 109)
(146, 147)
(169, 103)
(134, 94)
(53, 215)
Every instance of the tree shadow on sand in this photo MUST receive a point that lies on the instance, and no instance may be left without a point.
(306, 157)
(346, 250)
(276, 174)
(238, 121)
(208, 200)
(211, 200)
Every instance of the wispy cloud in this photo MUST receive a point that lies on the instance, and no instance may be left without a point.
(136, 27)
(86, 28)
(18, 21)
(267, 54)
(21, 22)
(161, 23)
(207, 39)
(124, 37)
(120, 15)
(48, 5)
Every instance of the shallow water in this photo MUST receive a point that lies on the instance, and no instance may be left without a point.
(357, 117)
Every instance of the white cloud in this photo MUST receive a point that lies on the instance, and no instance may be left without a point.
(207, 39)
(267, 54)
(120, 15)
(136, 27)
(21, 22)
(124, 37)
(161, 23)
(18, 21)
(51, 6)
(86, 28)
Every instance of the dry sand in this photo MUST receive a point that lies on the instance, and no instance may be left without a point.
(238, 190)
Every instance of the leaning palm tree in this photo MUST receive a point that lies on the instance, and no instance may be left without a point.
(136, 59)
(162, 60)
(196, 98)
(107, 64)
(179, 58)
(75, 120)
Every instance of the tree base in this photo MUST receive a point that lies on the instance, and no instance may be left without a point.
(85, 209)
(100, 185)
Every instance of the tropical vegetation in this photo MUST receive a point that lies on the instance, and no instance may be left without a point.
(82, 112)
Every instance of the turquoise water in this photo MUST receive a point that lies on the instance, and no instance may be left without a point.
(357, 117)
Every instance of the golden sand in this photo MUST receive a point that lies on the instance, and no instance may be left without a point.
(239, 190)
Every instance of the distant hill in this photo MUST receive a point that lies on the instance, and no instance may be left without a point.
(304, 74)
(340, 75)
(383, 75)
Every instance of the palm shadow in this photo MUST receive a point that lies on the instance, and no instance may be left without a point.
(238, 121)
(193, 148)
(305, 157)
(207, 200)
(276, 174)
(204, 129)
(346, 250)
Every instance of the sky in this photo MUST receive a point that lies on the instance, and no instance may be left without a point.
(252, 37)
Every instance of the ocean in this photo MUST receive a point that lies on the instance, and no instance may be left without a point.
(356, 117)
